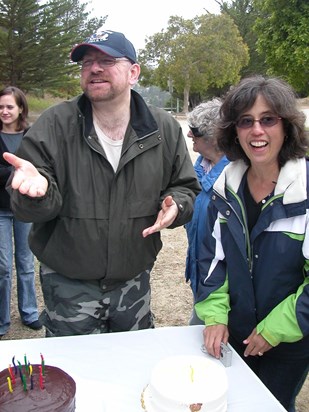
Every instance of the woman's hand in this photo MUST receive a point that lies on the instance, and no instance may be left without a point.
(213, 336)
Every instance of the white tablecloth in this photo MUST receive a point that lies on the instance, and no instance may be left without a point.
(111, 370)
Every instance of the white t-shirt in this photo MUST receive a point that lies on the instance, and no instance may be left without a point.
(111, 147)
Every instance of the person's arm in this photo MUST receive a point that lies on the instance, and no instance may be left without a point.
(35, 195)
(213, 301)
(288, 321)
(165, 218)
(32, 197)
(26, 178)
(178, 196)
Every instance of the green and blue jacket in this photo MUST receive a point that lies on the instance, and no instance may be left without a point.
(258, 279)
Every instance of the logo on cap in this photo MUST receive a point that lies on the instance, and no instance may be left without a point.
(100, 36)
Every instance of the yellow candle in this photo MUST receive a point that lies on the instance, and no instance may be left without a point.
(192, 374)
(9, 384)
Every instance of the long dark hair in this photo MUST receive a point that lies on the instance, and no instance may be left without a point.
(281, 98)
(21, 102)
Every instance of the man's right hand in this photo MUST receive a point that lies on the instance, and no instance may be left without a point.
(27, 180)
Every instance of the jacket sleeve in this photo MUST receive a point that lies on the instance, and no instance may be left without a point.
(288, 321)
(213, 303)
(5, 172)
(39, 146)
(182, 184)
(214, 309)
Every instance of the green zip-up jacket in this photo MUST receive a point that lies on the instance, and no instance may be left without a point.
(89, 224)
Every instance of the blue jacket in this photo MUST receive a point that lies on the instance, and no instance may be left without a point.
(196, 227)
(259, 279)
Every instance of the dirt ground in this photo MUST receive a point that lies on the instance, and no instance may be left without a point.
(171, 296)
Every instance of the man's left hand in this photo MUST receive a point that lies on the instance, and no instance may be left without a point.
(165, 218)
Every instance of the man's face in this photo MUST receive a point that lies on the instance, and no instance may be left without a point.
(104, 78)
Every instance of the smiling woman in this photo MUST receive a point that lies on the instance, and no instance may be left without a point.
(260, 204)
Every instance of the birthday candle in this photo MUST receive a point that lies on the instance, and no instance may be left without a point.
(31, 381)
(24, 383)
(15, 367)
(26, 363)
(9, 384)
(43, 364)
(41, 378)
(31, 376)
(192, 374)
(20, 370)
(11, 375)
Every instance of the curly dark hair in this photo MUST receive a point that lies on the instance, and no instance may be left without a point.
(280, 96)
(21, 102)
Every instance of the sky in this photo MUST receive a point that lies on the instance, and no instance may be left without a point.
(138, 19)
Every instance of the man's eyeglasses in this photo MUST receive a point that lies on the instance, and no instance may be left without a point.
(246, 122)
(103, 63)
(195, 131)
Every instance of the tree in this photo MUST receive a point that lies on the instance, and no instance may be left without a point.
(283, 31)
(35, 41)
(195, 55)
(244, 14)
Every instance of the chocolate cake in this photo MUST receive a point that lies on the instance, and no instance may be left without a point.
(31, 390)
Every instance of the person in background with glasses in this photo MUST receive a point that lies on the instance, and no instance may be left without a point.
(14, 233)
(202, 121)
(100, 176)
(254, 284)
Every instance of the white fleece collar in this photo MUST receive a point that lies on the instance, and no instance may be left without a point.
(292, 180)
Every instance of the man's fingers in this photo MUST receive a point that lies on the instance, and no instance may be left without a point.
(13, 160)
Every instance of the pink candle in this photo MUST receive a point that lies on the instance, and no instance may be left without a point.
(41, 378)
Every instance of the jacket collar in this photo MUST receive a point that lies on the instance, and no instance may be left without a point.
(292, 180)
(142, 121)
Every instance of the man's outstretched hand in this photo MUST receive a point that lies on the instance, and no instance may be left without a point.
(27, 180)
(166, 216)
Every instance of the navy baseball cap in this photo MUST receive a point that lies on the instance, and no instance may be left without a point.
(113, 43)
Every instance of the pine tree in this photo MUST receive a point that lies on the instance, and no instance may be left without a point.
(35, 43)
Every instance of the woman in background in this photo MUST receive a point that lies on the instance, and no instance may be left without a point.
(13, 125)
(202, 122)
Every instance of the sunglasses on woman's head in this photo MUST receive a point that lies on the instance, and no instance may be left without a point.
(195, 131)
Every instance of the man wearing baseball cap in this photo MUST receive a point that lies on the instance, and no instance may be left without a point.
(100, 176)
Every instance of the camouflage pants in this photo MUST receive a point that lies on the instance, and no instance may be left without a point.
(81, 307)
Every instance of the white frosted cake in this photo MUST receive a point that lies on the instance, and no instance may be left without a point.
(188, 384)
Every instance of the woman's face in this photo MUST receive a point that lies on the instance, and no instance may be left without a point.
(261, 142)
(9, 111)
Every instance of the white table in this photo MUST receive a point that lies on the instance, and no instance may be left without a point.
(111, 370)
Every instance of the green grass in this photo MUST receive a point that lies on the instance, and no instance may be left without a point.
(38, 105)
